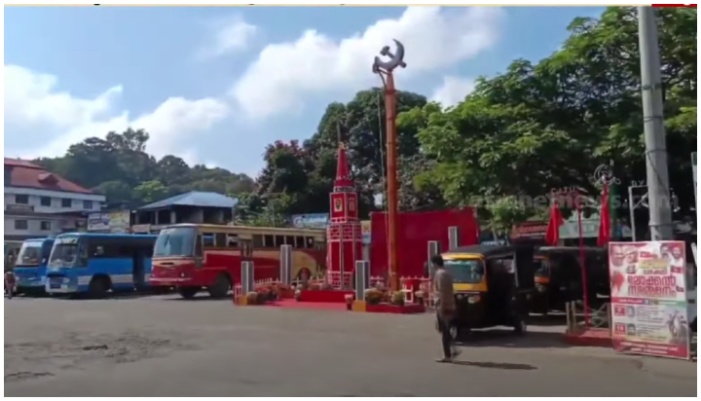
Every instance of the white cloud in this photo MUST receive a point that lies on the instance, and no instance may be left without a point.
(232, 36)
(435, 38)
(43, 121)
(453, 90)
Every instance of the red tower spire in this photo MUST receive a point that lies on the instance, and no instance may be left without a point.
(343, 179)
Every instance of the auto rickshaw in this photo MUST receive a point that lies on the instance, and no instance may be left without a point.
(558, 276)
(488, 287)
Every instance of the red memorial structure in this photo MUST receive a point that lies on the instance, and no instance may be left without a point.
(344, 236)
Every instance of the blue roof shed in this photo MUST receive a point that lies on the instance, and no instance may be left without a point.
(194, 199)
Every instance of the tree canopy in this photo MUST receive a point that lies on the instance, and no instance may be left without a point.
(534, 127)
(119, 168)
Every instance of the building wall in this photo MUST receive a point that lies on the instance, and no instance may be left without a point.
(37, 217)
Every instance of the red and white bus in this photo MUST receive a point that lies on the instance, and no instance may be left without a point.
(196, 256)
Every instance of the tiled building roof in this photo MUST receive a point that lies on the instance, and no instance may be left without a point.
(24, 174)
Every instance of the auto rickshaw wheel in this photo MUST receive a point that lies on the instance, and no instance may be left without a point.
(454, 332)
(520, 327)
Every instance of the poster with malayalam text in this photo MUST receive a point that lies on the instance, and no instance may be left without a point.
(648, 298)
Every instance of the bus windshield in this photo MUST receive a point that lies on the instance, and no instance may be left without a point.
(64, 252)
(466, 271)
(179, 241)
(29, 255)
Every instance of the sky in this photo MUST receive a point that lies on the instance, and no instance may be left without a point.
(216, 85)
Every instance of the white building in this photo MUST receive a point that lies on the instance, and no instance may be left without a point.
(39, 203)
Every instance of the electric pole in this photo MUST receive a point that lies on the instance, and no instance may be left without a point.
(655, 142)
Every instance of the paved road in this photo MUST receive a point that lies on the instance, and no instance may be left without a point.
(163, 346)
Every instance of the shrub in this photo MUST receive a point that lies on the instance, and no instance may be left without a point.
(398, 298)
(373, 296)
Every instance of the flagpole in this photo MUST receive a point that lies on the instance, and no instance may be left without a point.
(585, 292)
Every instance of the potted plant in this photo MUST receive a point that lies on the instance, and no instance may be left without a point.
(420, 295)
(373, 296)
(398, 298)
(252, 298)
(298, 295)
(349, 301)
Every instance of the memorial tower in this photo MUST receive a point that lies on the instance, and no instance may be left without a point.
(343, 236)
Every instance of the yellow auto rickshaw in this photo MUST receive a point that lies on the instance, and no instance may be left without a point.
(489, 290)
(558, 276)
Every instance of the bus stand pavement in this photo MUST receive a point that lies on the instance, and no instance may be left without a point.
(165, 346)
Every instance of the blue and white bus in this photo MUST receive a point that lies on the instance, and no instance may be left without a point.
(30, 266)
(98, 263)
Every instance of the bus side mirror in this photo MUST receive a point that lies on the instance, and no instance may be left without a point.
(43, 261)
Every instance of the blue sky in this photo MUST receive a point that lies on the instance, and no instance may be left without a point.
(215, 85)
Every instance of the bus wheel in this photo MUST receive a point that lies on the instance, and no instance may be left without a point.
(98, 287)
(188, 292)
(220, 288)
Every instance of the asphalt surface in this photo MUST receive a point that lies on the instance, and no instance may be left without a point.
(164, 346)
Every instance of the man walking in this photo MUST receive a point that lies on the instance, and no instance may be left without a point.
(10, 284)
(445, 307)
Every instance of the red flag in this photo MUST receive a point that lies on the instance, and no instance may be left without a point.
(552, 235)
(604, 218)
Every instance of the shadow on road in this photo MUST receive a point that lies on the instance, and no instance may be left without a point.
(496, 365)
(119, 295)
(508, 339)
(547, 320)
(203, 298)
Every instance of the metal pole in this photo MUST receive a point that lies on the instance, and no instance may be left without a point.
(631, 209)
(693, 171)
(655, 143)
(385, 69)
(582, 261)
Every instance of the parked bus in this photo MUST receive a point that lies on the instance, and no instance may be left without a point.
(192, 256)
(99, 263)
(30, 266)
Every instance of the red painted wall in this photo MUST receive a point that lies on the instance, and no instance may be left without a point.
(415, 230)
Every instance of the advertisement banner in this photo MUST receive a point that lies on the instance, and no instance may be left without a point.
(366, 231)
(310, 220)
(119, 222)
(648, 298)
(98, 222)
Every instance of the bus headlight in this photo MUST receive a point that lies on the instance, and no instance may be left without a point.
(473, 299)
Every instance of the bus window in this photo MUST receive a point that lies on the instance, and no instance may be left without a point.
(232, 241)
(310, 242)
(198, 245)
(279, 241)
(258, 241)
(268, 241)
(107, 248)
(208, 240)
(146, 251)
(220, 240)
(299, 242)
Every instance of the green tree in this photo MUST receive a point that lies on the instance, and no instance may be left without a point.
(119, 167)
(550, 125)
(151, 191)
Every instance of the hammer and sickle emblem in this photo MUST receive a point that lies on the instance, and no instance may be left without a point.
(395, 59)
